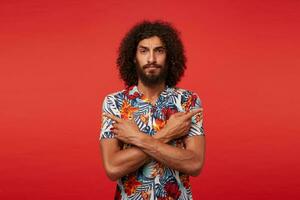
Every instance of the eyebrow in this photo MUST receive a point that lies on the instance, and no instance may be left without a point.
(159, 47)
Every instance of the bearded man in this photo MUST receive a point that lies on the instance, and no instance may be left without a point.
(152, 138)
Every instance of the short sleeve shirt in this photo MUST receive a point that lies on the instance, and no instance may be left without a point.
(153, 180)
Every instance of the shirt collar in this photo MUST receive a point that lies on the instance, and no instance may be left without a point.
(133, 92)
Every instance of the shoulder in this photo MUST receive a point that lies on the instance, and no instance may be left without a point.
(115, 96)
(112, 102)
(187, 99)
(184, 92)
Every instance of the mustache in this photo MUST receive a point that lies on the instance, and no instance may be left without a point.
(151, 65)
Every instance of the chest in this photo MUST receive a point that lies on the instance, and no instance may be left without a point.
(148, 117)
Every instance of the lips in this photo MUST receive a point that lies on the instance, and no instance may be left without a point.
(152, 66)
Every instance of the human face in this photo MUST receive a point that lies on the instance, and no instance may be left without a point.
(150, 61)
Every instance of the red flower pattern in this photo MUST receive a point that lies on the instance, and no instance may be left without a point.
(172, 190)
(127, 110)
(131, 96)
(158, 124)
(190, 102)
(167, 112)
(131, 184)
(185, 179)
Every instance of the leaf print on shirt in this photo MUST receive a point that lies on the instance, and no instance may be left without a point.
(144, 118)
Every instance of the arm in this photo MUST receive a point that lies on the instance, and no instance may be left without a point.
(119, 162)
(188, 161)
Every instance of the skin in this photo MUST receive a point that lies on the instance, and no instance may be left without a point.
(120, 162)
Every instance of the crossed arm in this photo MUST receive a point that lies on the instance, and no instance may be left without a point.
(119, 162)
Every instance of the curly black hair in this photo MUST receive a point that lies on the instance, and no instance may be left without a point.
(175, 58)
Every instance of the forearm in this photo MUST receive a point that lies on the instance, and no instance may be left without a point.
(183, 160)
(126, 161)
(130, 159)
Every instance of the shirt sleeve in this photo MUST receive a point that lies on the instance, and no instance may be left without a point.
(108, 106)
(197, 124)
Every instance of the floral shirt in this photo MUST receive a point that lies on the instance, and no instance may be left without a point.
(153, 180)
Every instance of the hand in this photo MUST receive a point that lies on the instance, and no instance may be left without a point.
(124, 130)
(179, 124)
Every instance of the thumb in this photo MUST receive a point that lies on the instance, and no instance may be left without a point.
(194, 112)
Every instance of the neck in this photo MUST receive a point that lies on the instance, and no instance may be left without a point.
(151, 92)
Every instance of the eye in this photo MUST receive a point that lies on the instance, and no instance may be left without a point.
(161, 50)
(142, 50)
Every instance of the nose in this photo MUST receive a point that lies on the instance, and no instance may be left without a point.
(151, 57)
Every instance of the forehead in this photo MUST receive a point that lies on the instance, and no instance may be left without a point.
(151, 42)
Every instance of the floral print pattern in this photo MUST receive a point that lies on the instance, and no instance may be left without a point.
(131, 184)
(152, 181)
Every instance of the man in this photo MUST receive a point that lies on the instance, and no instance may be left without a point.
(152, 137)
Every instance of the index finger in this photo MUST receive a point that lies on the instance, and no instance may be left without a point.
(117, 119)
(193, 112)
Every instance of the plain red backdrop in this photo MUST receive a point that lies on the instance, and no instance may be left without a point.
(57, 63)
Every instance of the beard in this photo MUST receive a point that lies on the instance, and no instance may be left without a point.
(151, 79)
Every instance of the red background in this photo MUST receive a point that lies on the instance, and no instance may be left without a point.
(57, 63)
